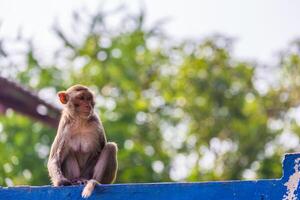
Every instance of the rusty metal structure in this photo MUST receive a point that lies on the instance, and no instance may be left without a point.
(26, 102)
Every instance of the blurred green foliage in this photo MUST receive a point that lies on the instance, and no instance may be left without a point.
(177, 110)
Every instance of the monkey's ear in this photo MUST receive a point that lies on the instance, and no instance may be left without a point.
(63, 97)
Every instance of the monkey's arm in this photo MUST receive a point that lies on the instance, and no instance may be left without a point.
(96, 122)
(57, 155)
(102, 139)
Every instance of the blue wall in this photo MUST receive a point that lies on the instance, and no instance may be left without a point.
(285, 188)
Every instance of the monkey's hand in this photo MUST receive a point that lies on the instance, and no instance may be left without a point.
(63, 182)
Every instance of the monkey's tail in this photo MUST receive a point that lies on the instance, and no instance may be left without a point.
(89, 188)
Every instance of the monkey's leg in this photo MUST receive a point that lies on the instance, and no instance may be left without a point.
(105, 169)
(71, 168)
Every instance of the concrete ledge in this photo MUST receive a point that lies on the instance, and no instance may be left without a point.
(285, 188)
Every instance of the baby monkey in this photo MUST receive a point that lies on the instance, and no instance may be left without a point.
(80, 152)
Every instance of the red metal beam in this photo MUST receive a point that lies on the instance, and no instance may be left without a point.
(22, 100)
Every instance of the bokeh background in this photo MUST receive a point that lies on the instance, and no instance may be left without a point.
(190, 91)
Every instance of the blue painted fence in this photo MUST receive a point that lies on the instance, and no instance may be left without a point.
(285, 188)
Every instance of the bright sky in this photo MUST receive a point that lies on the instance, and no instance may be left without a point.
(261, 28)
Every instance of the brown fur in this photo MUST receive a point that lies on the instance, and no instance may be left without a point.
(80, 151)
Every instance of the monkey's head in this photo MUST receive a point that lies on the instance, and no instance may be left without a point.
(78, 100)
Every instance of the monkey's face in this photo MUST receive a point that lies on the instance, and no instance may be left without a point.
(78, 100)
(82, 102)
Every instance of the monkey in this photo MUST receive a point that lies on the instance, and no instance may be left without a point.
(80, 153)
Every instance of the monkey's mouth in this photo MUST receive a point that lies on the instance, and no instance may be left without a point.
(86, 112)
(85, 109)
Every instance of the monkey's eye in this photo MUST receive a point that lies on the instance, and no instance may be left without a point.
(81, 97)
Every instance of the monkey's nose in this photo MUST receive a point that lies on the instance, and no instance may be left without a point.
(87, 108)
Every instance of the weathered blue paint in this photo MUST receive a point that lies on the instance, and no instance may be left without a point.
(270, 189)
